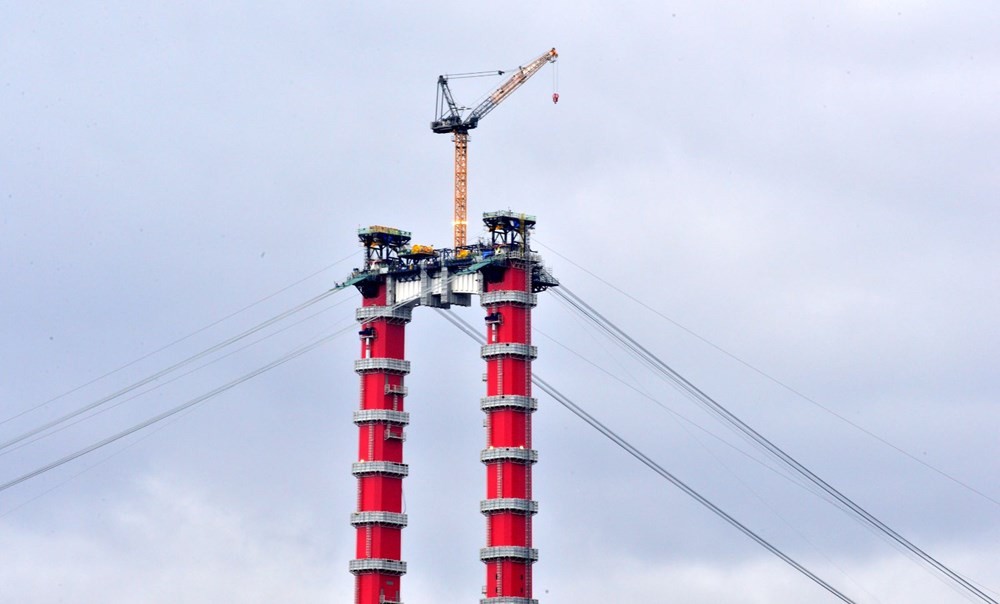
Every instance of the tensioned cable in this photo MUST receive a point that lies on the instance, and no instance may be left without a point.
(179, 340)
(722, 412)
(679, 416)
(190, 403)
(65, 426)
(838, 498)
(171, 412)
(159, 374)
(779, 470)
(565, 401)
(74, 476)
(796, 477)
(164, 372)
(778, 382)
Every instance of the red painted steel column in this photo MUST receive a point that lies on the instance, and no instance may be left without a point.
(379, 520)
(508, 456)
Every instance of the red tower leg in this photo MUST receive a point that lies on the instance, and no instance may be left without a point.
(508, 456)
(380, 470)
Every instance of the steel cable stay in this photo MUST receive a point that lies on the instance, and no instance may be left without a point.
(179, 340)
(778, 382)
(776, 469)
(828, 493)
(585, 328)
(61, 483)
(163, 372)
(189, 404)
(686, 424)
(723, 413)
(779, 470)
(662, 472)
(7, 445)
(160, 384)
(593, 422)
(175, 410)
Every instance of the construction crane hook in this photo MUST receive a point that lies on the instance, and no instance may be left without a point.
(555, 77)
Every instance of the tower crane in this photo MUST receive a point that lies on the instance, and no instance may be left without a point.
(451, 121)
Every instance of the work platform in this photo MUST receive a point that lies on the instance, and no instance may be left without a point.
(420, 275)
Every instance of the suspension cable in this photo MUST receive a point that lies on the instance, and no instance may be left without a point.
(192, 402)
(5, 447)
(778, 382)
(160, 384)
(179, 340)
(171, 412)
(163, 372)
(722, 412)
(632, 450)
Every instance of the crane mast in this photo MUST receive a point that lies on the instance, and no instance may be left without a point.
(451, 121)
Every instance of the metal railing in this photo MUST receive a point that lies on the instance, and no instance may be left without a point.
(382, 565)
(365, 416)
(382, 364)
(396, 389)
(508, 504)
(387, 518)
(508, 296)
(503, 401)
(509, 454)
(367, 468)
(501, 552)
(509, 349)
(394, 313)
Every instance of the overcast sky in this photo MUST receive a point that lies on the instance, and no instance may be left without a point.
(814, 190)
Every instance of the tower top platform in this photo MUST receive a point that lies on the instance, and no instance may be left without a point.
(382, 236)
(515, 219)
(421, 275)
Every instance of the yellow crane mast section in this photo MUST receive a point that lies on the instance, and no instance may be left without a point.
(461, 188)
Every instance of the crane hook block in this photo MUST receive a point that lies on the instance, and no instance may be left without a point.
(555, 97)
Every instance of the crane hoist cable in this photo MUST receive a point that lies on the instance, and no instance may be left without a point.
(451, 120)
